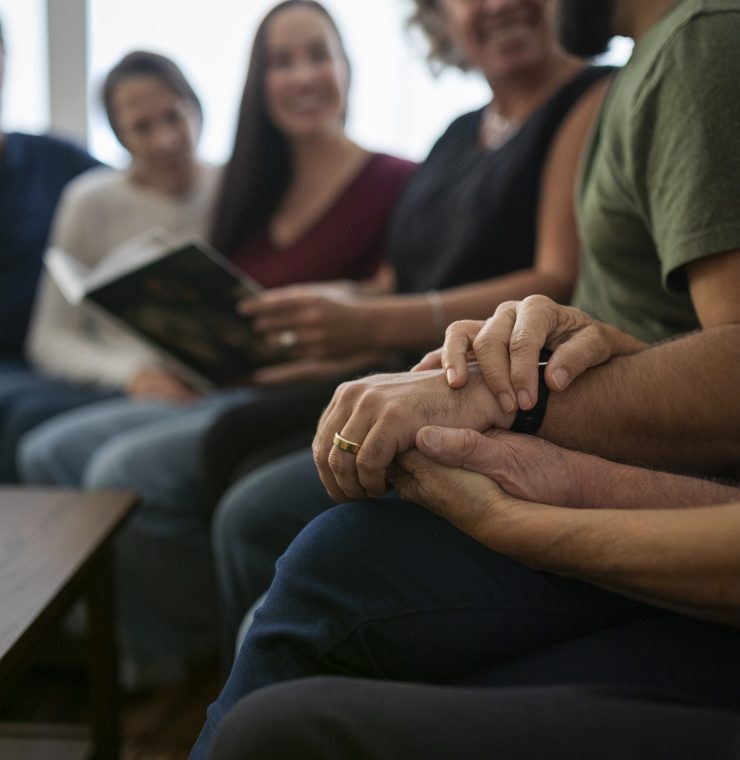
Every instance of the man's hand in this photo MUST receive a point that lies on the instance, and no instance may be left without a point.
(383, 413)
(524, 466)
(507, 347)
(156, 383)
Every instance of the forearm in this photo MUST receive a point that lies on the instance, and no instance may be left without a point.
(686, 561)
(416, 323)
(610, 485)
(672, 406)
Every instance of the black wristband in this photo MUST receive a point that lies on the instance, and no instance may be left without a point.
(529, 421)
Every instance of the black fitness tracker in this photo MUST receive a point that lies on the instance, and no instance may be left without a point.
(529, 421)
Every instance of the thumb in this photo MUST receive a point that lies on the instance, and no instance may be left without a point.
(454, 447)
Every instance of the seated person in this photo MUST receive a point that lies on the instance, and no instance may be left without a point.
(645, 268)
(485, 218)
(657, 671)
(76, 355)
(33, 171)
(300, 201)
(649, 272)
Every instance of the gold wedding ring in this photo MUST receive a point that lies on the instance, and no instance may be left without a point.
(349, 446)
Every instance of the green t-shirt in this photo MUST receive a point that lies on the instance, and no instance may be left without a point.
(660, 183)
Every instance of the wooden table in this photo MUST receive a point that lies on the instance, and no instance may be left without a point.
(55, 550)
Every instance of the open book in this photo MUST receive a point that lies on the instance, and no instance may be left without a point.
(180, 297)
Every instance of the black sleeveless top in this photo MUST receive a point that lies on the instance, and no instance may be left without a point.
(470, 214)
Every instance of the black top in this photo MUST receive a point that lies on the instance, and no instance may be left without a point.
(470, 214)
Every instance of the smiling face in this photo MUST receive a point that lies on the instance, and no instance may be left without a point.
(159, 129)
(501, 38)
(306, 74)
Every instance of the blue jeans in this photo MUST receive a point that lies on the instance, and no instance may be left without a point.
(166, 591)
(387, 590)
(28, 398)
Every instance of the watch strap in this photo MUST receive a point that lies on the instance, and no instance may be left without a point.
(529, 421)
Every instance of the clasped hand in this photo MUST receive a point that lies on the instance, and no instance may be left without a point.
(507, 346)
(383, 413)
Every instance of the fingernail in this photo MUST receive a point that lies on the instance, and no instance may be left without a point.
(525, 400)
(506, 402)
(431, 438)
(560, 378)
(451, 375)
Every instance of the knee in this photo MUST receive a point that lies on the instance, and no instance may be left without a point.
(356, 547)
(40, 457)
(234, 519)
(256, 726)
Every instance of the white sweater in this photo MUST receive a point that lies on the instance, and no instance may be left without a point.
(99, 211)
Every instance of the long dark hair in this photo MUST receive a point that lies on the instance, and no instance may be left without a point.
(142, 63)
(260, 169)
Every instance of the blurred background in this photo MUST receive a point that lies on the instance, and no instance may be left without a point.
(58, 52)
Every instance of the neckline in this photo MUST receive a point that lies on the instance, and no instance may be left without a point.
(337, 198)
(482, 150)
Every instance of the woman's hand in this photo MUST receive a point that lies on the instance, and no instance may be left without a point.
(156, 383)
(383, 413)
(315, 321)
(507, 347)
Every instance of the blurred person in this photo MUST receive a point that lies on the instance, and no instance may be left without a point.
(661, 246)
(486, 218)
(300, 201)
(33, 172)
(76, 355)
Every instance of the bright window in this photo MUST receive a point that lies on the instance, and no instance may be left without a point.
(25, 94)
(395, 105)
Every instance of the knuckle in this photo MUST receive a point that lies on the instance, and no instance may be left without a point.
(471, 442)
(340, 462)
(538, 301)
(520, 342)
(485, 341)
(506, 306)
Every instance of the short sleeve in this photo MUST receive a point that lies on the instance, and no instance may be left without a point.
(685, 150)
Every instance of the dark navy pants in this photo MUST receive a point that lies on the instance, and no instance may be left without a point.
(345, 719)
(388, 591)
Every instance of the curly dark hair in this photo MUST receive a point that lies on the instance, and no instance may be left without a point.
(429, 18)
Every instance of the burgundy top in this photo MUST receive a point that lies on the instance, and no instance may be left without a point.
(346, 242)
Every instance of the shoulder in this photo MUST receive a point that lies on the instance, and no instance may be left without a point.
(390, 168)
(55, 153)
(95, 187)
(63, 147)
(690, 52)
(461, 130)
